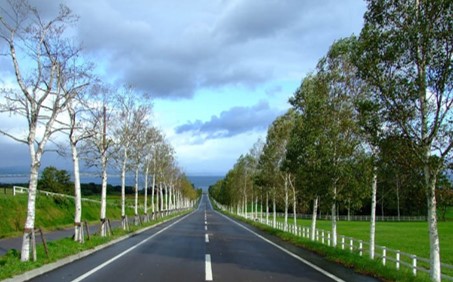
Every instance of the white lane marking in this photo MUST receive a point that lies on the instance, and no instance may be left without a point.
(80, 278)
(205, 227)
(206, 238)
(205, 222)
(208, 268)
(328, 274)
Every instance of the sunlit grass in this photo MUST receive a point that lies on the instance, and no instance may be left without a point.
(408, 237)
(51, 212)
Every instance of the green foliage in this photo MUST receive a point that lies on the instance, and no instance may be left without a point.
(55, 180)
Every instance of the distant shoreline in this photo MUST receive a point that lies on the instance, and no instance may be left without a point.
(202, 182)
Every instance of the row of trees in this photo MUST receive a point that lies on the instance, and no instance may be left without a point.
(376, 112)
(61, 99)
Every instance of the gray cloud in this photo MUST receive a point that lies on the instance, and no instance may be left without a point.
(235, 121)
(171, 48)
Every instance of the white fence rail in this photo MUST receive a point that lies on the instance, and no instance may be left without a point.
(359, 217)
(387, 256)
(22, 190)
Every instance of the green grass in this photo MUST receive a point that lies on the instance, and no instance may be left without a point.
(11, 265)
(51, 212)
(408, 237)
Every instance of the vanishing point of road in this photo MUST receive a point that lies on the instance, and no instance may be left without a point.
(202, 246)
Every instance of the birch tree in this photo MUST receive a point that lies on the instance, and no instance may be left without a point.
(41, 55)
(152, 137)
(78, 131)
(407, 54)
(97, 150)
(126, 103)
(305, 153)
(138, 144)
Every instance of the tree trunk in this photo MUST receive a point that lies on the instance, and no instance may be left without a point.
(256, 207)
(261, 207)
(123, 191)
(334, 216)
(136, 196)
(267, 208)
(274, 211)
(161, 195)
(104, 175)
(285, 225)
(104, 195)
(434, 250)
(30, 220)
(78, 229)
(294, 205)
(145, 202)
(152, 194)
(373, 212)
(313, 218)
(398, 197)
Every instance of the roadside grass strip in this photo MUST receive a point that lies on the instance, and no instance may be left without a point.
(66, 250)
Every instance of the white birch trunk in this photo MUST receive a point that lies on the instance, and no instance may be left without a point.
(78, 232)
(334, 223)
(166, 198)
(123, 190)
(256, 207)
(145, 202)
(136, 196)
(161, 196)
(261, 208)
(313, 218)
(267, 208)
(152, 194)
(294, 206)
(373, 213)
(30, 220)
(274, 211)
(434, 250)
(104, 195)
(285, 226)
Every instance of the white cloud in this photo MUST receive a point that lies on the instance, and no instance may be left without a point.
(220, 57)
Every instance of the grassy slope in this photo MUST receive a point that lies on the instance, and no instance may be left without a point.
(51, 213)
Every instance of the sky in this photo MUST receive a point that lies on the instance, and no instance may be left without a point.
(218, 71)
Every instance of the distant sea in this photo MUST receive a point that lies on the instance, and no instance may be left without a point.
(202, 182)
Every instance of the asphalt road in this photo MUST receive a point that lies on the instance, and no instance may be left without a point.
(201, 246)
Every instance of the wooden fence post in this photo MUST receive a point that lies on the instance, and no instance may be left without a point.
(87, 230)
(33, 243)
(44, 243)
(110, 226)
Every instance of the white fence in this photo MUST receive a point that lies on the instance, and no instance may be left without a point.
(359, 217)
(387, 256)
(22, 190)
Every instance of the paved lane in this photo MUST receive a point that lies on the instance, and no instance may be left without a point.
(202, 246)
